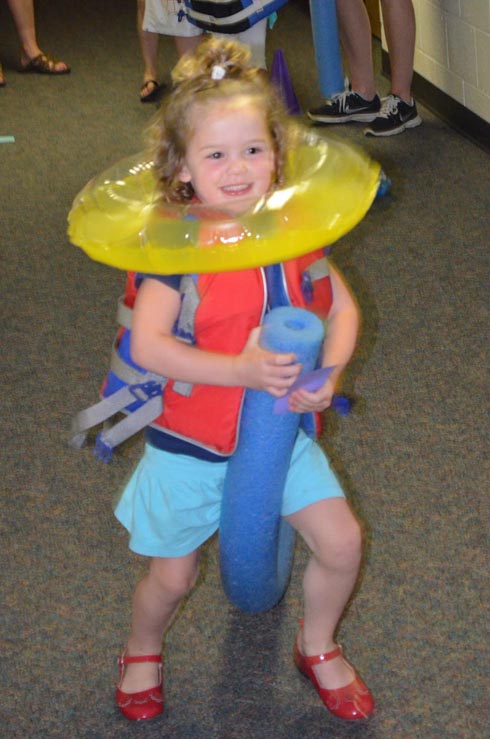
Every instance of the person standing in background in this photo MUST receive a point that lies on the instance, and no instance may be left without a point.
(360, 101)
(245, 22)
(160, 15)
(32, 59)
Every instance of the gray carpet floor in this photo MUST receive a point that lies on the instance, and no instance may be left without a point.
(413, 454)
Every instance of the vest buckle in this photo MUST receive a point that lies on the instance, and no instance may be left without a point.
(144, 391)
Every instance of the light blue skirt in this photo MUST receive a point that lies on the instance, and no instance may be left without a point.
(171, 505)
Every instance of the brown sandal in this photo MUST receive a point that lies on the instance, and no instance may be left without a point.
(44, 64)
(2, 77)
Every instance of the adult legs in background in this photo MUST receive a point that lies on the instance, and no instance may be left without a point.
(149, 52)
(164, 24)
(359, 102)
(398, 111)
(355, 36)
(399, 25)
(32, 58)
(187, 44)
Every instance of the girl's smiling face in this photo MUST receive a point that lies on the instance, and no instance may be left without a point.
(230, 156)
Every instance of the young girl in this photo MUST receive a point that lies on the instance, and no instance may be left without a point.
(222, 141)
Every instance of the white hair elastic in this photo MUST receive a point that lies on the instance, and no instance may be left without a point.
(218, 72)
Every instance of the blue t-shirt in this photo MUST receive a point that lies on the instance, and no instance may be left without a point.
(172, 281)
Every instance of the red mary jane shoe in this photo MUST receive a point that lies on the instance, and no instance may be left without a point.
(147, 703)
(351, 702)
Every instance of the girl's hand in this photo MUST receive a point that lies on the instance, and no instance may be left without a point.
(260, 369)
(303, 401)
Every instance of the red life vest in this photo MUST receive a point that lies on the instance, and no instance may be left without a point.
(217, 314)
(230, 305)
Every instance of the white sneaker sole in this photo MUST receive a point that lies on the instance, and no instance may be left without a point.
(357, 117)
(412, 123)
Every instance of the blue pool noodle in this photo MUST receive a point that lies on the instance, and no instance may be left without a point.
(256, 545)
(327, 46)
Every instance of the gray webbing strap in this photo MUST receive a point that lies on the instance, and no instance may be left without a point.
(183, 388)
(98, 413)
(318, 270)
(132, 423)
(127, 373)
(185, 323)
(124, 313)
(190, 302)
(112, 404)
(136, 380)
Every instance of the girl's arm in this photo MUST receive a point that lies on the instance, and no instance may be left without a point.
(154, 347)
(338, 347)
(342, 327)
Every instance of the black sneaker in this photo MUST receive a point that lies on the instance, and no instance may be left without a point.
(395, 116)
(346, 106)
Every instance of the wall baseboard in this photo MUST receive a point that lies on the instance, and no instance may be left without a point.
(449, 110)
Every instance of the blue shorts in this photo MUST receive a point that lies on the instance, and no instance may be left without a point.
(171, 505)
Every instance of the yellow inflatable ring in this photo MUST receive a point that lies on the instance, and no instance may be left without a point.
(117, 218)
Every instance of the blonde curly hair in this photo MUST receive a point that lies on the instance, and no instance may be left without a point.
(218, 71)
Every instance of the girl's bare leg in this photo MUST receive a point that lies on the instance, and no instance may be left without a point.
(333, 534)
(155, 603)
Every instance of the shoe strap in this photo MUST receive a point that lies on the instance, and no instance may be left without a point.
(317, 659)
(123, 660)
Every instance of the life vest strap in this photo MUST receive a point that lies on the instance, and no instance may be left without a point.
(98, 413)
(127, 373)
(317, 270)
(145, 392)
(124, 313)
(182, 388)
(108, 439)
